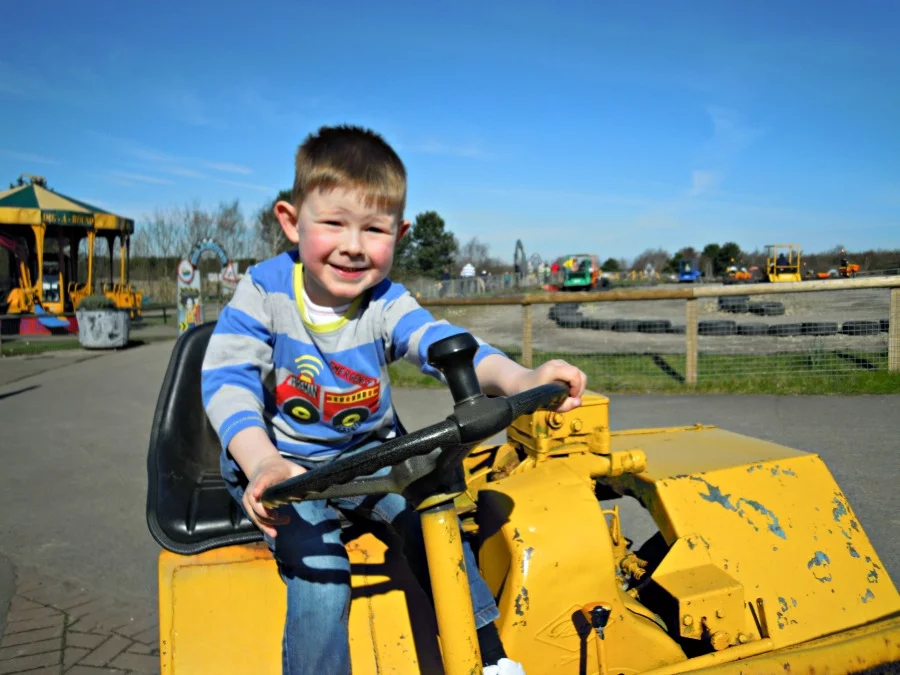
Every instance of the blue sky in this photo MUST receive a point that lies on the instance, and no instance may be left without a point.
(601, 126)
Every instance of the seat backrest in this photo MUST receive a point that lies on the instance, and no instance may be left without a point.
(189, 509)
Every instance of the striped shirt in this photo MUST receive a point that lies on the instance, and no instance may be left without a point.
(317, 389)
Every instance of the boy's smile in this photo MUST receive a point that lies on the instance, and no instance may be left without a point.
(346, 246)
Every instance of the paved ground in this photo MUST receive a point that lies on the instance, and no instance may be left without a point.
(75, 431)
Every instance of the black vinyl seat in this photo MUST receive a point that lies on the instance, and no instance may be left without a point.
(189, 509)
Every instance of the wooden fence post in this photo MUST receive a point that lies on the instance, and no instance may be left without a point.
(526, 335)
(690, 342)
(894, 332)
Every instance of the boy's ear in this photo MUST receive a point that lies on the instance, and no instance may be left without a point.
(402, 229)
(286, 213)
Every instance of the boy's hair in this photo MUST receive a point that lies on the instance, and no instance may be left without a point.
(351, 157)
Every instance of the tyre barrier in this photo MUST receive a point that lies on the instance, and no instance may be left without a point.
(861, 328)
(654, 326)
(716, 327)
(567, 315)
(766, 308)
(736, 304)
(562, 309)
(820, 328)
(625, 325)
(753, 329)
(786, 329)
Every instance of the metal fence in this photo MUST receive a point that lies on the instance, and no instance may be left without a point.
(677, 337)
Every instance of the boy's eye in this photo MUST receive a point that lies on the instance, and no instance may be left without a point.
(334, 223)
(379, 230)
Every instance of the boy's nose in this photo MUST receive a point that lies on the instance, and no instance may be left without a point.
(350, 242)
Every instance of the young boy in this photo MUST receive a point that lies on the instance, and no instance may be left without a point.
(296, 373)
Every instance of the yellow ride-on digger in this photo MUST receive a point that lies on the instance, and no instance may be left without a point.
(783, 263)
(760, 564)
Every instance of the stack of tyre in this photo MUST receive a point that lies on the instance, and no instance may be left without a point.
(741, 304)
(569, 315)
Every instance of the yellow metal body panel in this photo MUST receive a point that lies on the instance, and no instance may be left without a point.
(125, 297)
(789, 272)
(223, 611)
(774, 519)
(547, 552)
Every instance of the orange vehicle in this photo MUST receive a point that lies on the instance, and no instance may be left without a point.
(737, 275)
(847, 269)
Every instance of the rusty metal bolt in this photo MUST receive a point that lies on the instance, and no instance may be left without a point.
(554, 420)
(720, 640)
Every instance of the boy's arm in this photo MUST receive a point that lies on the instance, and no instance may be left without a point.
(410, 330)
(499, 375)
(237, 361)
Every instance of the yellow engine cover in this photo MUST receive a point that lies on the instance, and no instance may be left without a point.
(223, 611)
(769, 517)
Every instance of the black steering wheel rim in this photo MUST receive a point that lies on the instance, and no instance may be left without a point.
(472, 422)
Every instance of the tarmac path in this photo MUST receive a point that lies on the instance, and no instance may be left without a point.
(75, 426)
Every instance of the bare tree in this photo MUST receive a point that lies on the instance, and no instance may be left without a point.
(269, 239)
(230, 229)
(198, 225)
(165, 235)
(140, 243)
(475, 252)
(656, 257)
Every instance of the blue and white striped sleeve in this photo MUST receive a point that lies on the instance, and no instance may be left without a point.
(237, 361)
(411, 330)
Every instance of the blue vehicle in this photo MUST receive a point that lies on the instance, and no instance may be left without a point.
(688, 271)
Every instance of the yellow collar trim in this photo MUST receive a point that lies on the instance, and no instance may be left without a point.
(301, 307)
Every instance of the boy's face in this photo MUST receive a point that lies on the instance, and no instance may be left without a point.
(346, 247)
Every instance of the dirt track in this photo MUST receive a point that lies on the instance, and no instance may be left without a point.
(502, 325)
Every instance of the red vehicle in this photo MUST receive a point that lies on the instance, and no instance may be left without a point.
(308, 403)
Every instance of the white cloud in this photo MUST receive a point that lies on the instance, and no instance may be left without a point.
(29, 157)
(730, 137)
(471, 151)
(249, 186)
(185, 172)
(226, 167)
(730, 134)
(703, 182)
(140, 178)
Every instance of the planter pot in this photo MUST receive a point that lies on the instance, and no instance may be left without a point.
(103, 328)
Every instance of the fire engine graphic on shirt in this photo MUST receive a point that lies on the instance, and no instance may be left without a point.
(306, 402)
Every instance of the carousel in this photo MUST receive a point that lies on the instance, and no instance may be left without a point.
(41, 232)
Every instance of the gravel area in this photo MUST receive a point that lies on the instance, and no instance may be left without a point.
(502, 325)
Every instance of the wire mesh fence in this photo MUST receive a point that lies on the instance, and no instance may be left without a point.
(778, 341)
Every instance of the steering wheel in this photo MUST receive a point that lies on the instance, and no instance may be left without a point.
(428, 461)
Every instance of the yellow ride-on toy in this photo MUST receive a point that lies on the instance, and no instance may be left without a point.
(759, 566)
(783, 263)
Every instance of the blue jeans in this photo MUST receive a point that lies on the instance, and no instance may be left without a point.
(314, 565)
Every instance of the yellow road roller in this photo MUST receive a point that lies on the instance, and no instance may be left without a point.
(759, 565)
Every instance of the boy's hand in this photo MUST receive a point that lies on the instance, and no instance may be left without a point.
(268, 472)
(552, 371)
